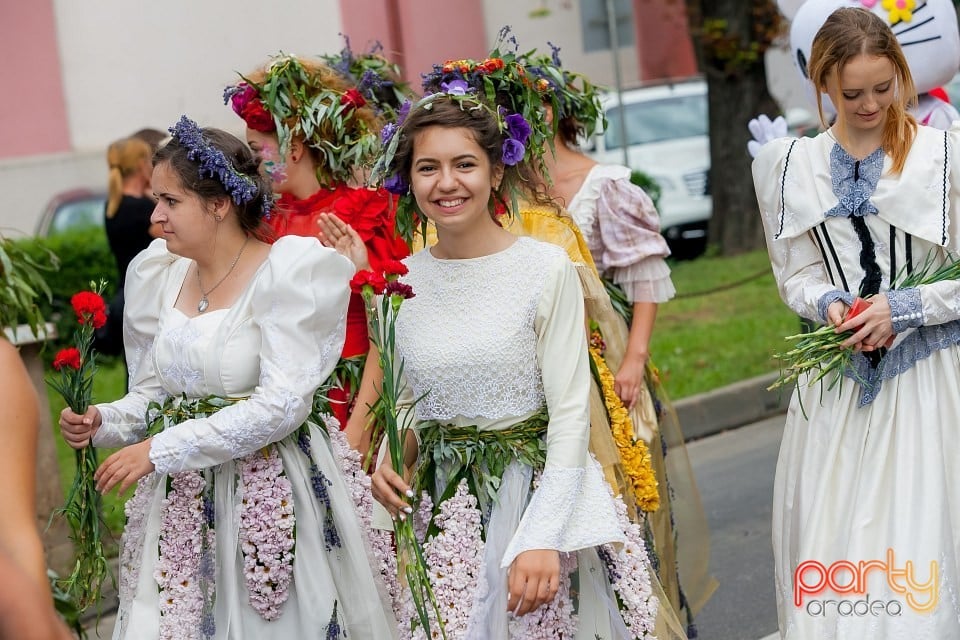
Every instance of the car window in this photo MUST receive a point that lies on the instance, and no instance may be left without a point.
(76, 214)
(658, 120)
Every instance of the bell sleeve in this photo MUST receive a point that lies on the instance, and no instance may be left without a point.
(300, 306)
(148, 276)
(572, 507)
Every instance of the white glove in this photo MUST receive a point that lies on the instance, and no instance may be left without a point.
(763, 131)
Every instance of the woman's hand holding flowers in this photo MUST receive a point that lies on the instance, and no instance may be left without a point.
(870, 320)
(387, 486)
(78, 429)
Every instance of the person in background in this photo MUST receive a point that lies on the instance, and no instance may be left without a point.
(314, 128)
(127, 225)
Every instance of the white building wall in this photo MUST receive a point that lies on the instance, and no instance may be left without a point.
(139, 63)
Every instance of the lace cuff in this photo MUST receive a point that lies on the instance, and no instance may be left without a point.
(114, 431)
(906, 309)
(571, 509)
(829, 298)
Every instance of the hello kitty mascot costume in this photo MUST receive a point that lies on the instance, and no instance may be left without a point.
(927, 32)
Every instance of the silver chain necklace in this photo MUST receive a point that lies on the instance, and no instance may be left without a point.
(204, 302)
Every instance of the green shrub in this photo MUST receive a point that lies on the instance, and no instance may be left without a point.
(84, 257)
(648, 184)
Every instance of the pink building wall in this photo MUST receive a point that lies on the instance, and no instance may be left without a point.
(33, 115)
(422, 34)
(664, 48)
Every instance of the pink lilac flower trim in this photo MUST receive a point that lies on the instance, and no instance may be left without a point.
(266, 531)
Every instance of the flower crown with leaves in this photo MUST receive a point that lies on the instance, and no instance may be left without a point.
(376, 78)
(214, 164)
(292, 100)
(512, 126)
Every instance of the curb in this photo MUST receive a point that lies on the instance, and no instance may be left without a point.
(735, 405)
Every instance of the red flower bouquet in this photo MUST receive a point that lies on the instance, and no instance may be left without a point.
(75, 367)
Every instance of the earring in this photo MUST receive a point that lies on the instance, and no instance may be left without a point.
(218, 217)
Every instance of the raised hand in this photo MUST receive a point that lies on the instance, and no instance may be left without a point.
(763, 130)
(337, 234)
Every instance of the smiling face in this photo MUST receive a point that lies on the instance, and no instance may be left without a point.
(187, 226)
(864, 91)
(452, 179)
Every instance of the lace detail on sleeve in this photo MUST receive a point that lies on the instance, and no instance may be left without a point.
(829, 298)
(571, 509)
(906, 309)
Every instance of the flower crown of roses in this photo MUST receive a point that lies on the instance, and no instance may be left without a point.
(512, 126)
(326, 119)
(375, 78)
(214, 164)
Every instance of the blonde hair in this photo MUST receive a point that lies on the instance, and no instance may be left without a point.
(125, 158)
(851, 32)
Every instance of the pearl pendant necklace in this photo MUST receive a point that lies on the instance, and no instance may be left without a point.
(204, 303)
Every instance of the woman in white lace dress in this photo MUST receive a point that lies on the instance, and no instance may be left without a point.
(528, 542)
(241, 525)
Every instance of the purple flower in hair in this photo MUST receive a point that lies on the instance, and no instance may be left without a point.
(517, 127)
(456, 87)
(512, 152)
(404, 111)
(396, 184)
(387, 132)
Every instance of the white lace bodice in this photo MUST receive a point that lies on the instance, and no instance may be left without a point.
(273, 346)
(472, 347)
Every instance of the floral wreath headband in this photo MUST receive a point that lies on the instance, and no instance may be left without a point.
(214, 164)
(327, 119)
(376, 78)
(524, 83)
(514, 128)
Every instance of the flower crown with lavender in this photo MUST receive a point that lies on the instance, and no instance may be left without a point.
(214, 164)
(514, 128)
(292, 100)
(376, 78)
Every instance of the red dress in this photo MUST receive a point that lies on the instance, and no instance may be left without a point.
(371, 213)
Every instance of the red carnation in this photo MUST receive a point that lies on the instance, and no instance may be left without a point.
(367, 278)
(353, 98)
(257, 118)
(394, 268)
(89, 307)
(69, 357)
(397, 288)
(244, 94)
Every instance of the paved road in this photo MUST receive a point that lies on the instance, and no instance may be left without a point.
(735, 473)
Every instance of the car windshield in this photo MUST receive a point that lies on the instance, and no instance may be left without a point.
(79, 213)
(658, 120)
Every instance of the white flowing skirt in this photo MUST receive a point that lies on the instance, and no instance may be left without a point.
(320, 577)
(877, 487)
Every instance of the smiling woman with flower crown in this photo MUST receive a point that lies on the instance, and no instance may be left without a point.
(314, 125)
(522, 537)
(241, 525)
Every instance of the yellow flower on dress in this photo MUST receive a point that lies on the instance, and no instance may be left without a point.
(899, 10)
(634, 455)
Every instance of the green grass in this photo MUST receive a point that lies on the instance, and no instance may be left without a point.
(109, 384)
(708, 341)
